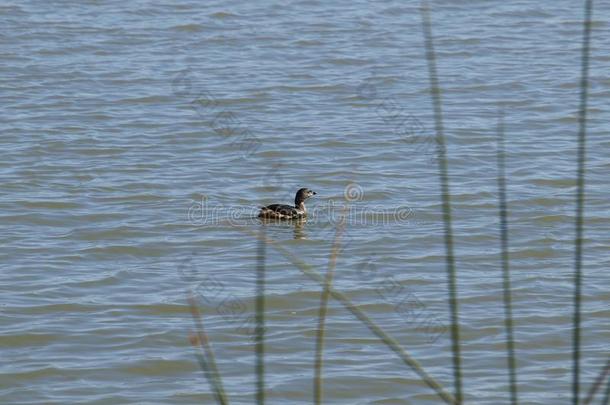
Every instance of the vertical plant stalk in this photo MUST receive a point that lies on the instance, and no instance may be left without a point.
(446, 199)
(580, 197)
(362, 317)
(606, 399)
(328, 281)
(206, 359)
(598, 381)
(260, 318)
(508, 312)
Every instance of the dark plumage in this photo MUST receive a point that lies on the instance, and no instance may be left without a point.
(283, 211)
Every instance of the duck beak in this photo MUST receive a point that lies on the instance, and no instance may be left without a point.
(314, 193)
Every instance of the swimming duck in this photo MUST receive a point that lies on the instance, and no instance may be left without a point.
(283, 211)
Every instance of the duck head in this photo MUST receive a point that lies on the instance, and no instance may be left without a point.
(302, 195)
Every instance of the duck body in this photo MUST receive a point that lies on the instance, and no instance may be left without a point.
(284, 211)
(281, 211)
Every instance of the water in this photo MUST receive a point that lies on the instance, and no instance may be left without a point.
(121, 120)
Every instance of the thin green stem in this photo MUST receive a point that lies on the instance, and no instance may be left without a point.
(206, 360)
(446, 199)
(606, 399)
(580, 197)
(597, 383)
(260, 319)
(506, 287)
(328, 281)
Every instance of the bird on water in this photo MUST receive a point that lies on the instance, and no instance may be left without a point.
(284, 211)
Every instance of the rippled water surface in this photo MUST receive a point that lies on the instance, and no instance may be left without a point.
(139, 138)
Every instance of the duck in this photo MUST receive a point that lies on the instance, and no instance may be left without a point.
(283, 211)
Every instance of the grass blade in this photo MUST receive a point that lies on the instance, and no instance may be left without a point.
(206, 360)
(606, 398)
(446, 199)
(580, 196)
(328, 281)
(260, 318)
(357, 312)
(508, 312)
(597, 383)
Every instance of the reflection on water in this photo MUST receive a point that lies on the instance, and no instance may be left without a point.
(298, 225)
(299, 229)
